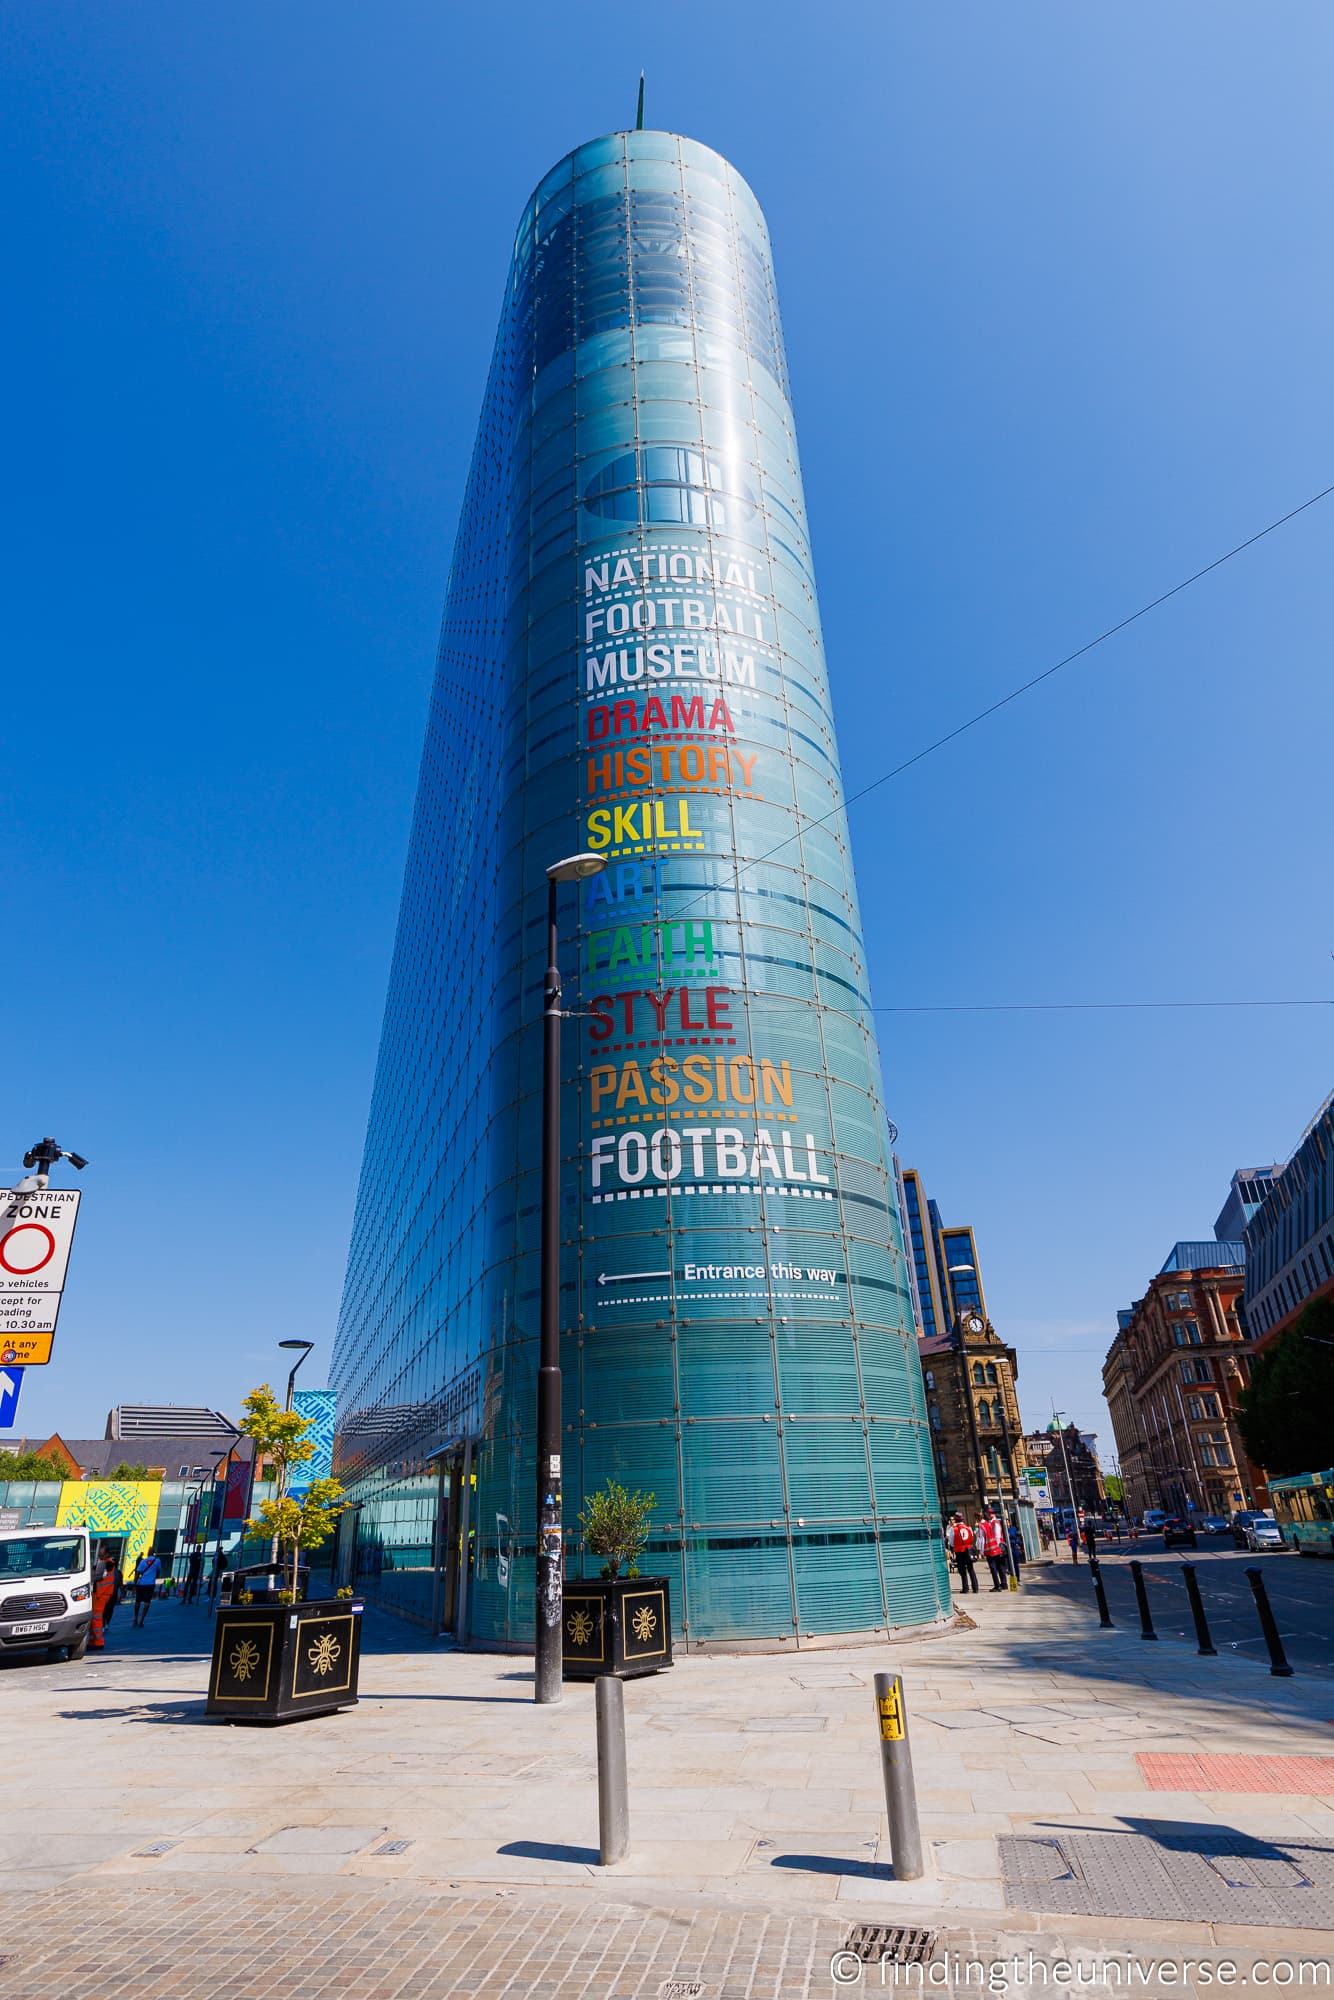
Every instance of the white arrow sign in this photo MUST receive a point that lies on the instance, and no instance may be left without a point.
(627, 1277)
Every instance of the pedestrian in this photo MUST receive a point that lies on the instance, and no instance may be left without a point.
(1016, 1543)
(194, 1570)
(117, 1585)
(147, 1570)
(961, 1543)
(105, 1577)
(992, 1537)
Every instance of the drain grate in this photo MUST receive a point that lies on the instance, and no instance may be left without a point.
(158, 1847)
(392, 1847)
(893, 1944)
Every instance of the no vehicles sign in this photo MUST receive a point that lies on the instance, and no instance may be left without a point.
(36, 1231)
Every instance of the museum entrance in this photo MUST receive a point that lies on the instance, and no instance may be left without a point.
(455, 1537)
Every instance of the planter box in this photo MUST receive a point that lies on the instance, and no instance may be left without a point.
(622, 1627)
(276, 1662)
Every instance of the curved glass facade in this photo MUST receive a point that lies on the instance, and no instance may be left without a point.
(631, 663)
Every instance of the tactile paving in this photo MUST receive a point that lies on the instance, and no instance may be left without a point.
(1186, 1874)
(1182, 1771)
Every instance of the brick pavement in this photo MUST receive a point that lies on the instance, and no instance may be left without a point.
(204, 1942)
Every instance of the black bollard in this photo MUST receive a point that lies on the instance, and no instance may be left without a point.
(1197, 1609)
(1104, 1615)
(1146, 1630)
(1278, 1659)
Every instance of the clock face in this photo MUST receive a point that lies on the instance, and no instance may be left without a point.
(975, 1326)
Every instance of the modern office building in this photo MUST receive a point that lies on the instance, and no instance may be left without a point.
(1246, 1195)
(1290, 1234)
(631, 664)
(946, 1273)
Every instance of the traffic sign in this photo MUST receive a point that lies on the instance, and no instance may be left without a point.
(36, 1231)
(24, 1350)
(11, 1381)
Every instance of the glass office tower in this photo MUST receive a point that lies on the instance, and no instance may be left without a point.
(631, 664)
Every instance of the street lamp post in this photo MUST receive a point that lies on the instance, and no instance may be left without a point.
(221, 1460)
(549, 1596)
(1014, 1485)
(291, 1345)
(305, 1347)
(222, 1465)
(1069, 1488)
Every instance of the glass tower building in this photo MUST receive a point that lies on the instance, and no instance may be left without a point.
(631, 664)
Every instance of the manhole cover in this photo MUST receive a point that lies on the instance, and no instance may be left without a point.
(392, 1847)
(679, 1989)
(876, 1944)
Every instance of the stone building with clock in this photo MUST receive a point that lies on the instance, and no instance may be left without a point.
(977, 1434)
(968, 1371)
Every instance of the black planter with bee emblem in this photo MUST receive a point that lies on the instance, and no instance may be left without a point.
(622, 1627)
(278, 1662)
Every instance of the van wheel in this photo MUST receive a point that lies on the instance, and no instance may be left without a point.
(74, 1652)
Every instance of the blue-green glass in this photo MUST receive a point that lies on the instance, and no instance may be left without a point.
(631, 664)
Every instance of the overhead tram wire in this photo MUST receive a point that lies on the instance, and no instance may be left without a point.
(1026, 687)
(1085, 1006)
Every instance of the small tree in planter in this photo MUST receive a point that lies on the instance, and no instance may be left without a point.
(277, 1659)
(615, 1526)
(621, 1624)
(280, 1437)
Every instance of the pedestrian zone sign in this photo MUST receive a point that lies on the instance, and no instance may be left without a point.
(36, 1231)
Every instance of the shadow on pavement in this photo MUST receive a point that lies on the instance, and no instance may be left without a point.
(551, 1850)
(145, 1711)
(833, 1864)
(1082, 1652)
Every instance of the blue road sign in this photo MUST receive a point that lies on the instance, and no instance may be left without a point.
(11, 1381)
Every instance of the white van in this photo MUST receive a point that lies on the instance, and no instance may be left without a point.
(46, 1591)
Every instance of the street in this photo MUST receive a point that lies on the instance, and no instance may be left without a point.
(1300, 1589)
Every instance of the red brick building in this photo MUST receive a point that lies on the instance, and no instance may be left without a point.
(1172, 1377)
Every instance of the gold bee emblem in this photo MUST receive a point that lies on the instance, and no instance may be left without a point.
(323, 1655)
(645, 1623)
(243, 1659)
(579, 1625)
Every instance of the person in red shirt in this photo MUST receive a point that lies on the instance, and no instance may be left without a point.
(992, 1537)
(962, 1543)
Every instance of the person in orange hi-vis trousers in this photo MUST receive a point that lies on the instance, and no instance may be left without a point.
(104, 1590)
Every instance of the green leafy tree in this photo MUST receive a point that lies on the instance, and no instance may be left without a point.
(31, 1465)
(615, 1525)
(1286, 1415)
(1114, 1487)
(137, 1472)
(280, 1437)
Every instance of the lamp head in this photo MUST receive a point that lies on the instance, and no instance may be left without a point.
(304, 1345)
(576, 867)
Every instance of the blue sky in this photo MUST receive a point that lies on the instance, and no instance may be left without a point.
(1059, 311)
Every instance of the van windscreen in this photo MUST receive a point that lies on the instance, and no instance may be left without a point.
(41, 1555)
